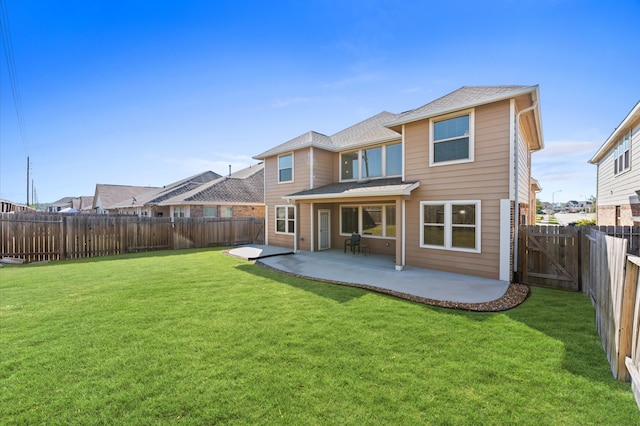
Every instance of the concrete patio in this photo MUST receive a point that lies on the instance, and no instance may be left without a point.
(377, 272)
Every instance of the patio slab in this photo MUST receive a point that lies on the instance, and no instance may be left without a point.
(257, 251)
(378, 272)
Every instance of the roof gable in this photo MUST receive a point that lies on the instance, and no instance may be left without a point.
(625, 126)
(464, 97)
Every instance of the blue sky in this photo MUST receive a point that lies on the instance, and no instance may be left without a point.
(148, 92)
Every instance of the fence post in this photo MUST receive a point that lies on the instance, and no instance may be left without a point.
(626, 318)
(63, 238)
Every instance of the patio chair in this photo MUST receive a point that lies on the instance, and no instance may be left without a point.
(353, 242)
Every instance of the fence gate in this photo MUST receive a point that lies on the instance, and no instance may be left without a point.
(549, 256)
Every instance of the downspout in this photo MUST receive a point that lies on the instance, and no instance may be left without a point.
(517, 190)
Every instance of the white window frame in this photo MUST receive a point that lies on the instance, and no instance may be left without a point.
(177, 211)
(448, 226)
(286, 219)
(432, 142)
(383, 165)
(619, 154)
(226, 211)
(360, 208)
(292, 167)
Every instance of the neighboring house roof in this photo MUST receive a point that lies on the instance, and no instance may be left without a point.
(612, 140)
(369, 131)
(535, 185)
(372, 188)
(112, 195)
(86, 202)
(245, 186)
(175, 189)
(62, 202)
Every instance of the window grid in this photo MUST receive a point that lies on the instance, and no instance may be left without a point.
(450, 225)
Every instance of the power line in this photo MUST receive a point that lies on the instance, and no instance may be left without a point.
(7, 42)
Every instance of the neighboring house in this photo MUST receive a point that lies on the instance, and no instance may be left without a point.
(442, 186)
(618, 184)
(108, 196)
(148, 203)
(83, 204)
(535, 188)
(7, 206)
(205, 195)
(62, 203)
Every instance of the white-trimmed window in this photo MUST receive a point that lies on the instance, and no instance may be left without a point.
(226, 211)
(451, 139)
(285, 219)
(180, 212)
(622, 154)
(375, 162)
(450, 225)
(377, 220)
(285, 168)
(210, 211)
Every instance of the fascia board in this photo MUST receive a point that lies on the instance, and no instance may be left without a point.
(615, 135)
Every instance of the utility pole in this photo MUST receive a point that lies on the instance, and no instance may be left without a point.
(27, 180)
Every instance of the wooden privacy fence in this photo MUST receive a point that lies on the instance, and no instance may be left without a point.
(42, 237)
(549, 256)
(558, 256)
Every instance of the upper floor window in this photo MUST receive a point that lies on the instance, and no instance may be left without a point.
(451, 140)
(452, 225)
(374, 162)
(285, 168)
(622, 154)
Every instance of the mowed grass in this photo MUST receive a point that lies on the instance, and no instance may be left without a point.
(197, 337)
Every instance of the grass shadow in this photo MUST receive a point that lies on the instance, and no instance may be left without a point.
(568, 317)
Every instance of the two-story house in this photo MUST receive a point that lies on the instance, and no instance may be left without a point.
(442, 186)
(618, 183)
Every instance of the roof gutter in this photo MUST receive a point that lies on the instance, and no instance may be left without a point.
(517, 188)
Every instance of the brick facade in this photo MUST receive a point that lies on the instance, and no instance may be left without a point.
(607, 215)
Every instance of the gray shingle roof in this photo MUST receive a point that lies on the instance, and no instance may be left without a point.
(388, 186)
(245, 186)
(172, 190)
(384, 127)
(464, 97)
(113, 195)
(369, 131)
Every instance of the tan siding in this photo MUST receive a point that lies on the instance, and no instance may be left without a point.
(323, 167)
(276, 191)
(616, 190)
(485, 179)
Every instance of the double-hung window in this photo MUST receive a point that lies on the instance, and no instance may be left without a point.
(285, 168)
(379, 161)
(622, 154)
(285, 219)
(450, 225)
(451, 139)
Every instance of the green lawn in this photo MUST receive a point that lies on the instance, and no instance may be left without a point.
(197, 337)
